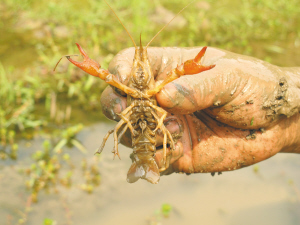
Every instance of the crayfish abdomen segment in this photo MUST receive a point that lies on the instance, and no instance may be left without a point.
(143, 165)
(144, 144)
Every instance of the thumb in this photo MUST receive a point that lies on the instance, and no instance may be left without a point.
(190, 93)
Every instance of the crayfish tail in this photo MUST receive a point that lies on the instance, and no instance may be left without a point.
(145, 170)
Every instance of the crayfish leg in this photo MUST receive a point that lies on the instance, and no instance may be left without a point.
(100, 149)
(122, 133)
(166, 134)
(116, 141)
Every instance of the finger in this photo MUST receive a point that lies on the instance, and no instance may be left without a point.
(172, 156)
(112, 104)
(181, 157)
(121, 65)
(230, 92)
(174, 125)
(195, 92)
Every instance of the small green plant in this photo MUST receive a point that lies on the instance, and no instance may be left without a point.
(163, 212)
(48, 221)
(68, 138)
(91, 176)
(251, 122)
(256, 169)
(53, 167)
(44, 172)
(166, 209)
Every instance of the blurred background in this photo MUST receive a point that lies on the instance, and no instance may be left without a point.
(51, 123)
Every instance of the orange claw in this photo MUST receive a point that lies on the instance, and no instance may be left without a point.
(88, 65)
(93, 68)
(194, 66)
(189, 67)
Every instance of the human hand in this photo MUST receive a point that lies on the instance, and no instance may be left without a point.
(239, 113)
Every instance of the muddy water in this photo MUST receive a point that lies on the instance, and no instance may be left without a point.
(239, 197)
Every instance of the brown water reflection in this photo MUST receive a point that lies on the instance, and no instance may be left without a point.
(239, 197)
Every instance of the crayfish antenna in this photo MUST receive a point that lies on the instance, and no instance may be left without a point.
(169, 22)
(141, 45)
(61, 59)
(121, 23)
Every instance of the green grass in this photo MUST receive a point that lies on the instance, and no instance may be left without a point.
(233, 25)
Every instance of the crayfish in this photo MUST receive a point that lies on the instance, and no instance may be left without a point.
(143, 117)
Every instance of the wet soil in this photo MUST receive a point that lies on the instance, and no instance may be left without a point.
(271, 195)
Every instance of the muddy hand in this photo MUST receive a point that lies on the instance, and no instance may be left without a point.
(239, 113)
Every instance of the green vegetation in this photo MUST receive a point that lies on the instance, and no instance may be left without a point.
(51, 28)
(44, 173)
(252, 120)
(48, 221)
(166, 209)
(36, 34)
(256, 169)
(160, 214)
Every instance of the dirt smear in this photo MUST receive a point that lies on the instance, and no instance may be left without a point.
(252, 135)
(279, 104)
